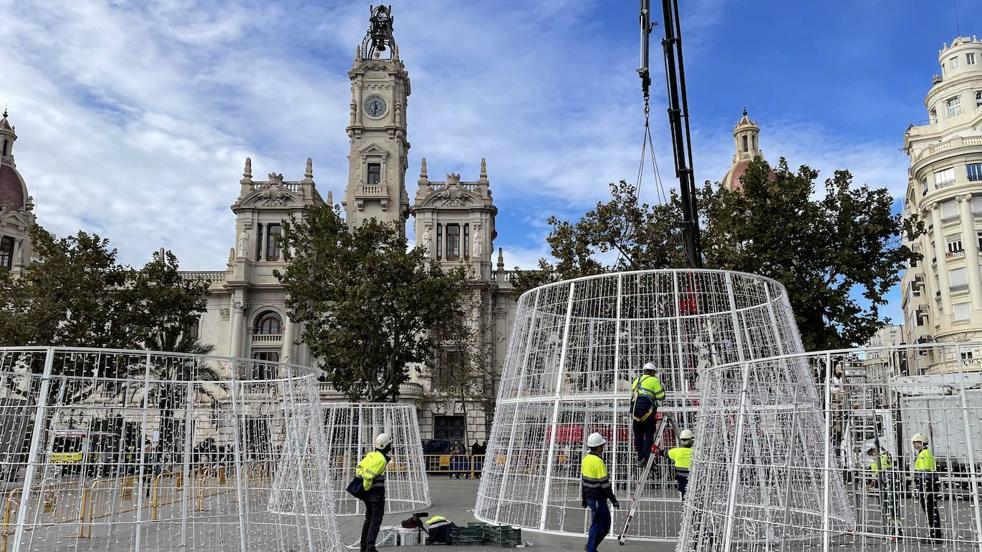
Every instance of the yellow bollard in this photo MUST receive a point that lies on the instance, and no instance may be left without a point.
(155, 497)
(221, 475)
(8, 509)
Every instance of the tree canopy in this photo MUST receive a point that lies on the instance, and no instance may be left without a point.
(366, 301)
(79, 295)
(837, 248)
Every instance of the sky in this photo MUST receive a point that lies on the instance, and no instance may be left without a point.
(134, 117)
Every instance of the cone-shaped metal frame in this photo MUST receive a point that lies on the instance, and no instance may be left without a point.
(137, 450)
(574, 350)
(351, 430)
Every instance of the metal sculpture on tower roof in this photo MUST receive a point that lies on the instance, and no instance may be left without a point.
(379, 37)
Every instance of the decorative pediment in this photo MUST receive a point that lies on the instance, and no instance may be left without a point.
(20, 218)
(373, 150)
(272, 193)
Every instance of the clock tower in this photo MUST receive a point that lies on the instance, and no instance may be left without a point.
(378, 157)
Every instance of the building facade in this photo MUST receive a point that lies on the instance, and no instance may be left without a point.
(942, 293)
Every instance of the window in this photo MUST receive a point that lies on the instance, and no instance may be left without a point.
(467, 241)
(963, 311)
(447, 370)
(5, 146)
(921, 317)
(916, 286)
(956, 279)
(746, 147)
(261, 370)
(6, 252)
(978, 99)
(374, 174)
(949, 210)
(953, 106)
(978, 236)
(274, 235)
(439, 241)
(966, 355)
(970, 58)
(753, 142)
(944, 178)
(924, 187)
(453, 242)
(974, 171)
(259, 241)
(953, 62)
(268, 323)
(955, 244)
(934, 115)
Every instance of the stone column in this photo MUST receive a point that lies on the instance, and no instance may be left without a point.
(940, 248)
(235, 339)
(286, 354)
(971, 245)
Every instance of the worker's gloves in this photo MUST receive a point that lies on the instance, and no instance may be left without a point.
(583, 502)
(616, 504)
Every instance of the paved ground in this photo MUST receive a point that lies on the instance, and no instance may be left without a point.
(454, 499)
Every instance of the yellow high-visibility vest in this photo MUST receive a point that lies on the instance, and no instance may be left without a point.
(371, 470)
(682, 457)
(925, 461)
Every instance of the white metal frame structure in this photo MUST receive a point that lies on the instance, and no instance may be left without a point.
(351, 429)
(574, 349)
(136, 450)
(782, 456)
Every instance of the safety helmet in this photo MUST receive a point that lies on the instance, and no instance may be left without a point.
(595, 440)
(870, 447)
(687, 435)
(918, 438)
(650, 367)
(382, 441)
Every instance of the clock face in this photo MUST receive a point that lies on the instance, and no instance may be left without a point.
(375, 106)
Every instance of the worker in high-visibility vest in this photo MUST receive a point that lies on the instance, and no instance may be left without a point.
(884, 477)
(371, 471)
(596, 491)
(927, 482)
(646, 391)
(438, 529)
(681, 457)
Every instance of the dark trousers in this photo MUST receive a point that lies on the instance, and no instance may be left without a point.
(644, 437)
(600, 525)
(683, 484)
(374, 508)
(928, 495)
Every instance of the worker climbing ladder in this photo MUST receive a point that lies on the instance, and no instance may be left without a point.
(666, 421)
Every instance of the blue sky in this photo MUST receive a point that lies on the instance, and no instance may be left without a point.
(135, 117)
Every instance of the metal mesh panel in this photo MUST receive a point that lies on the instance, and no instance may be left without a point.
(123, 450)
(576, 346)
(785, 463)
(351, 430)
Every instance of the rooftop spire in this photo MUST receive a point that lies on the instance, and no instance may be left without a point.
(484, 169)
(247, 171)
(379, 36)
(309, 171)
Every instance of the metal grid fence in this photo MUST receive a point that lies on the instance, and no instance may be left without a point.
(351, 430)
(135, 450)
(814, 452)
(574, 349)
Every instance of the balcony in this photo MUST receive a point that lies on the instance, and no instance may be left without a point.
(372, 190)
(953, 255)
(267, 339)
(408, 392)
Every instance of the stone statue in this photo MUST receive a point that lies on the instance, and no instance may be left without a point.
(244, 244)
(478, 245)
(427, 238)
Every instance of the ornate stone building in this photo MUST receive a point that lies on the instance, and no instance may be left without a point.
(942, 293)
(746, 136)
(16, 206)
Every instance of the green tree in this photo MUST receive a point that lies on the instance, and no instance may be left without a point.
(366, 303)
(837, 253)
(78, 295)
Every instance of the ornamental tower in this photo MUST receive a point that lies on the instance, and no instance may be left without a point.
(942, 292)
(16, 206)
(745, 138)
(378, 157)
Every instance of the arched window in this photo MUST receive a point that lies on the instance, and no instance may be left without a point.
(6, 252)
(268, 323)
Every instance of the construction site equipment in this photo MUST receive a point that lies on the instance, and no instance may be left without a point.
(138, 450)
(574, 349)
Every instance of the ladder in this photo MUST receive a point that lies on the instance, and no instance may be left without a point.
(636, 495)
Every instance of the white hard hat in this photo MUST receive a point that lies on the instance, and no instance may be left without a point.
(870, 447)
(382, 440)
(687, 435)
(650, 367)
(918, 438)
(595, 440)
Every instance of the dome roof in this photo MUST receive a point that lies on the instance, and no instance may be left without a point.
(13, 192)
(731, 181)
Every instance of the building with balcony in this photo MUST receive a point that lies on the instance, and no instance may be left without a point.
(942, 293)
